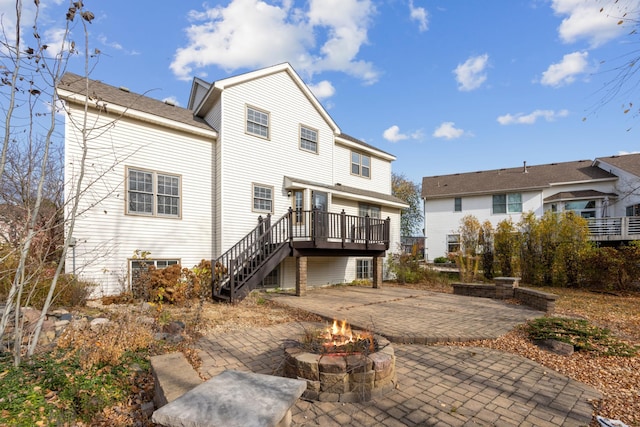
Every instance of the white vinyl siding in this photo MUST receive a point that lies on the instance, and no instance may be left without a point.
(246, 160)
(106, 237)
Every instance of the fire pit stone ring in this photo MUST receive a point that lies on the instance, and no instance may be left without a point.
(343, 377)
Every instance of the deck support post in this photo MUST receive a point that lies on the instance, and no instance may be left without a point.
(301, 276)
(377, 271)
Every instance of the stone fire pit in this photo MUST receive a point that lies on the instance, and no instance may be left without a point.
(343, 376)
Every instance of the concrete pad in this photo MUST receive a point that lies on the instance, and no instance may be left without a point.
(233, 399)
(173, 376)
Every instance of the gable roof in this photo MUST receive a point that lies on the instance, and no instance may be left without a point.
(216, 88)
(524, 178)
(627, 162)
(72, 88)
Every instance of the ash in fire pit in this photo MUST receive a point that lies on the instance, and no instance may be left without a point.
(341, 365)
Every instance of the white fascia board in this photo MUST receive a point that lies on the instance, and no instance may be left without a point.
(586, 181)
(366, 149)
(253, 75)
(75, 98)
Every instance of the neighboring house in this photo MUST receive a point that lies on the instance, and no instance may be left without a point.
(606, 191)
(187, 184)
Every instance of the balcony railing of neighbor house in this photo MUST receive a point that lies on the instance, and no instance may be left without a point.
(241, 268)
(614, 228)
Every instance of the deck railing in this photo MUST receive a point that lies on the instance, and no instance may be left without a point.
(318, 225)
(615, 228)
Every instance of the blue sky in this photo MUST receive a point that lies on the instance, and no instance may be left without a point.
(446, 86)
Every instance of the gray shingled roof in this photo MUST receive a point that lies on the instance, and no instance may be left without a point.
(113, 95)
(513, 179)
(627, 162)
(364, 144)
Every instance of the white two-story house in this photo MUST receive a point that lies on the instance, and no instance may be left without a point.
(606, 191)
(186, 184)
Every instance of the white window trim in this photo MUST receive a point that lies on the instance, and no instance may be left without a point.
(246, 122)
(154, 193)
(300, 138)
(253, 197)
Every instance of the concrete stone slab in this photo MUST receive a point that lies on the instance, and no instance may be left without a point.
(233, 399)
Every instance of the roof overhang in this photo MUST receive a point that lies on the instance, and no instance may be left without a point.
(349, 193)
(80, 100)
(365, 148)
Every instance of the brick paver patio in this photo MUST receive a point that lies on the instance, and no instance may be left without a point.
(437, 385)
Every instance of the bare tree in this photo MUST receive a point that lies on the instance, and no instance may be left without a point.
(31, 72)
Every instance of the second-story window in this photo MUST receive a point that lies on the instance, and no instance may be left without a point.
(308, 139)
(457, 204)
(257, 122)
(360, 164)
(507, 203)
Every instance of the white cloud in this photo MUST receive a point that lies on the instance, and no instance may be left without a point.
(323, 89)
(252, 34)
(565, 71)
(421, 15)
(531, 118)
(471, 74)
(393, 134)
(623, 153)
(585, 19)
(447, 130)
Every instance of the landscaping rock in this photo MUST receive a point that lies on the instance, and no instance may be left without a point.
(555, 346)
(98, 323)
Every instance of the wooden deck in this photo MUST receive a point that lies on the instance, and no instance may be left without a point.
(614, 229)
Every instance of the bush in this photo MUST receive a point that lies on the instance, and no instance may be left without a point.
(611, 269)
(441, 260)
(173, 284)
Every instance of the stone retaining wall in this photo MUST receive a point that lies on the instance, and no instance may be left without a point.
(507, 288)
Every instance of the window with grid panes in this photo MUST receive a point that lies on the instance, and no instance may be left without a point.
(152, 193)
(257, 122)
(262, 198)
(360, 164)
(308, 139)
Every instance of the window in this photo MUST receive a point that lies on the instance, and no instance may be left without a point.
(140, 266)
(262, 198)
(363, 269)
(457, 204)
(633, 210)
(272, 280)
(153, 193)
(298, 206)
(507, 203)
(257, 122)
(584, 208)
(453, 243)
(308, 139)
(372, 210)
(360, 165)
